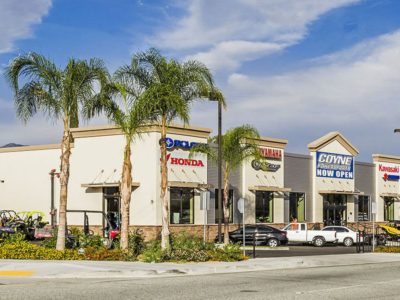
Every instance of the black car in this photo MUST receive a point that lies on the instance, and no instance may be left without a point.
(262, 234)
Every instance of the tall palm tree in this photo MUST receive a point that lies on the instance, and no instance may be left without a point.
(169, 87)
(238, 144)
(119, 103)
(58, 93)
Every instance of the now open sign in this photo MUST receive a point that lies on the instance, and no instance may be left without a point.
(335, 165)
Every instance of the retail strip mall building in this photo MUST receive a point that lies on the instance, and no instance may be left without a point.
(327, 186)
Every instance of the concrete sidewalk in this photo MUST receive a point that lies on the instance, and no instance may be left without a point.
(94, 269)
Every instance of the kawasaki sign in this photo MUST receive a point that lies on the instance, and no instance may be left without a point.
(335, 165)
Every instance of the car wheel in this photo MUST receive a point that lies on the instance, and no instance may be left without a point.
(272, 243)
(348, 242)
(319, 241)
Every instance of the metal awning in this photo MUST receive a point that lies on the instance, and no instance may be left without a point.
(193, 185)
(393, 195)
(106, 184)
(269, 188)
(342, 192)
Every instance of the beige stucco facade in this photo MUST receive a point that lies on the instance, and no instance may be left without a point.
(387, 171)
(256, 179)
(96, 163)
(338, 184)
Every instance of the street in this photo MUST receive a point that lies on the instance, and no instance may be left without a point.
(367, 281)
(303, 251)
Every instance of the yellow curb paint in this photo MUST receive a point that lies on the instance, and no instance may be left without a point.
(15, 273)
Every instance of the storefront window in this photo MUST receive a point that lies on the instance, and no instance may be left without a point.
(181, 206)
(388, 208)
(335, 210)
(230, 206)
(296, 207)
(264, 207)
(363, 208)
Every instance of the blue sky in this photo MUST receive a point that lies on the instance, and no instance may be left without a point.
(295, 69)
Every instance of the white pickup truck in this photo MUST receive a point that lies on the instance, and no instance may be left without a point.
(299, 233)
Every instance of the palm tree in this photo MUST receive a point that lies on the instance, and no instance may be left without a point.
(58, 93)
(169, 87)
(238, 144)
(119, 103)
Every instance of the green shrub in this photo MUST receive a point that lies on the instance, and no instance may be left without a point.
(135, 243)
(387, 249)
(153, 252)
(13, 238)
(74, 239)
(93, 253)
(26, 250)
(230, 252)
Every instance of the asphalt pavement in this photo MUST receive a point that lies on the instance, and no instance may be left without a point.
(301, 251)
(364, 281)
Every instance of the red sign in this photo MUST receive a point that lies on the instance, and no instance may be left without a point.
(387, 169)
(185, 161)
(270, 153)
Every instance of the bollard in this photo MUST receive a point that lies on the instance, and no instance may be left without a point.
(254, 245)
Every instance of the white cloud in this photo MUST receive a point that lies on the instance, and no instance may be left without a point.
(229, 32)
(17, 18)
(356, 91)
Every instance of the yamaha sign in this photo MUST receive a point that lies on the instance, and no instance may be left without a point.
(335, 165)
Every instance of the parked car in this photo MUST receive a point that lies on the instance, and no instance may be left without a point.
(345, 235)
(299, 233)
(260, 233)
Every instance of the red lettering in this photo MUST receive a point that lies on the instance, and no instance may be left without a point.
(186, 162)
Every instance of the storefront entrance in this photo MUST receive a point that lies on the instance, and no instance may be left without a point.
(112, 205)
(264, 207)
(388, 210)
(335, 209)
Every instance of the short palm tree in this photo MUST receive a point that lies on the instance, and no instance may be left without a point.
(119, 103)
(58, 93)
(169, 87)
(238, 144)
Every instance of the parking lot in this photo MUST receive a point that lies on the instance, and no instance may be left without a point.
(301, 251)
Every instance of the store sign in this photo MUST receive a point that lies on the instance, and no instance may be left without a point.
(172, 144)
(184, 161)
(335, 165)
(264, 166)
(389, 169)
(269, 153)
(389, 177)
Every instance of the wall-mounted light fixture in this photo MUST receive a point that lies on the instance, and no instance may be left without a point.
(2, 181)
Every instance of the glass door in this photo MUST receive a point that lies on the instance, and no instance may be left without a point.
(335, 210)
(112, 205)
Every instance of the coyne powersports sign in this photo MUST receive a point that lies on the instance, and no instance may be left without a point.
(335, 165)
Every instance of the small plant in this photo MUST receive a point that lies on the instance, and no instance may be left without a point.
(26, 250)
(153, 252)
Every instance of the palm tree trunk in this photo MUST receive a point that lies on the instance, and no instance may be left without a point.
(64, 177)
(164, 184)
(126, 193)
(226, 205)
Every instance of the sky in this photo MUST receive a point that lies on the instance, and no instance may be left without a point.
(294, 69)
